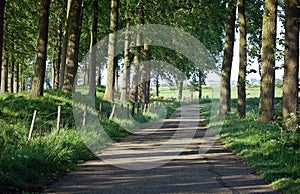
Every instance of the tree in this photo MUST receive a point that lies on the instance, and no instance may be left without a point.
(64, 47)
(2, 8)
(241, 105)
(110, 82)
(225, 96)
(74, 26)
(92, 84)
(41, 53)
(126, 66)
(267, 86)
(291, 61)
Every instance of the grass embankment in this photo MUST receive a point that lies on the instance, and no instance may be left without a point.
(28, 166)
(272, 152)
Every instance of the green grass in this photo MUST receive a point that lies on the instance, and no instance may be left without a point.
(272, 152)
(28, 166)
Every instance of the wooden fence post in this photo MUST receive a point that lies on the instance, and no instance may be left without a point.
(112, 112)
(32, 125)
(58, 118)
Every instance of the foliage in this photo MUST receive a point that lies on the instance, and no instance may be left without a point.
(271, 151)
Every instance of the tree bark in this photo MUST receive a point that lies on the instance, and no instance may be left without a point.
(73, 45)
(2, 9)
(291, 61)
(41, 54)
(267, 86)
(4, 72)
(225, 96)
(126, 66)
(11, 72)
(180, 90)
(16, 77)
(64, 48)
(200, 83)
(93, 50)
(57, 57)
(241, 105)
(110, 82)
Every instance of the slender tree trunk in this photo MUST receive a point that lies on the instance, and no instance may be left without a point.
(180, 90)
(11, 72)
(110, 82)
(147, 75)
(72, 48)
(136, 73)
(92, 84)
(241, 105)
(2, 8)
(124, 90)
(291, 61)
(57, 60)
(64, 47)
(267, 86)
(16, 77)
(41, 54)
(157, 85)
(200, 83)
(4, 72)
(225, 96)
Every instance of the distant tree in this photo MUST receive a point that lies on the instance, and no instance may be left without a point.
(291, 60)
(41, 53)
(241, 105)
(267, 86)
(225, 97)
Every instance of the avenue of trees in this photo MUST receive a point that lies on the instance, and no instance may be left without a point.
(43, 44)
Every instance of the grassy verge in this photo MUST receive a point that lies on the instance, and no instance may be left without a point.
(272, 152)
(28, 166)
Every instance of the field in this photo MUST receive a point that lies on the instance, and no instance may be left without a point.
(252, 92)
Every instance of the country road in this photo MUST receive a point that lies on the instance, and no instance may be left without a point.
(164, 158)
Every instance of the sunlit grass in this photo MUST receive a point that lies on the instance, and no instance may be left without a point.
(273, 153)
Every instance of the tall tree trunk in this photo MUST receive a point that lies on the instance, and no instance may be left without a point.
(110, 82)
(73, 45)
(41, 54)
(2, 8)
(147, 75)
(200, 83)
(57, 61)
(291, 61)
(93, 50)
(225, 96)
(4, 72)
(16, 77)
(136, 73)
(241, 105)
(157, 85)
(180, 90)
(11, 72)
(124, 90)
(62, 70)
(267, 86)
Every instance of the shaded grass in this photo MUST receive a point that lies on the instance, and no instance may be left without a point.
(273, 153)
(28, 166)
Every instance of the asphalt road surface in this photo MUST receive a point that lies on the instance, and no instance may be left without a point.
(167, 157)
